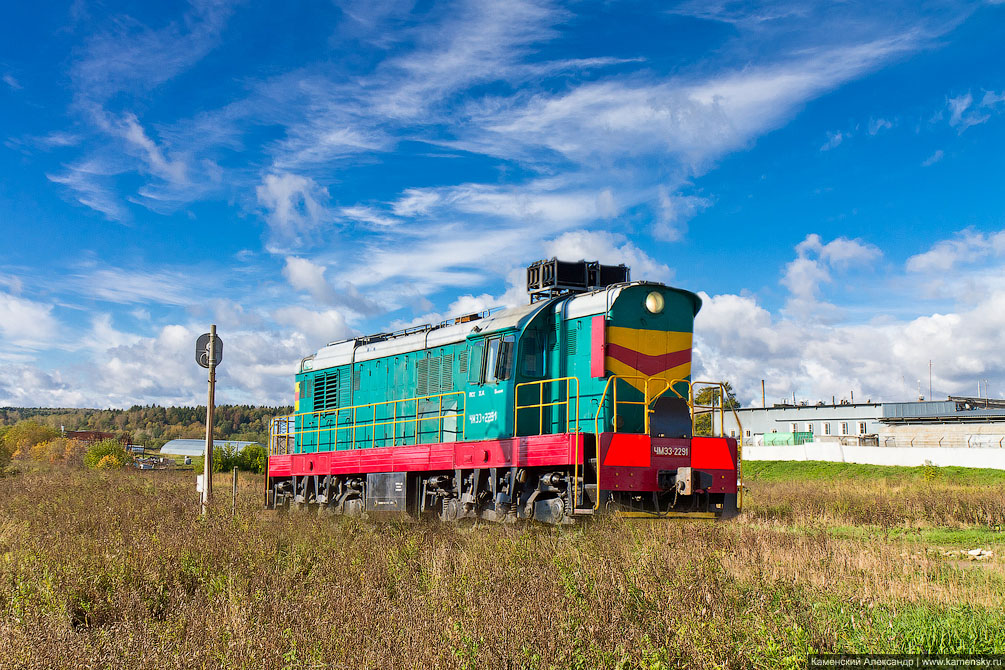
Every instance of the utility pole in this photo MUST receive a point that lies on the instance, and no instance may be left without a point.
(763, 402)
(929, 378)
(209, 354)
(207, 467)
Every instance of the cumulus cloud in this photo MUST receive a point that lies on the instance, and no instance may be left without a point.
(305, 275)
(738, 339)
(812, 267)
(968, 246)
(26, 324)
(609, 249)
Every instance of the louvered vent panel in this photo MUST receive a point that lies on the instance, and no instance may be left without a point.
(319, 393)
(435, 364)
(570, 342)
(355, 380)
(447, 374)
(462, 362)
(422, 377)
(343, 391)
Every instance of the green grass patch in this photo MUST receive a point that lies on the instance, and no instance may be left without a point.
(781, 471)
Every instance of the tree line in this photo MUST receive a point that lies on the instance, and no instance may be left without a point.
(153, 425)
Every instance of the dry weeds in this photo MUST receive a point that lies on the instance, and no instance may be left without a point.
(115, 570)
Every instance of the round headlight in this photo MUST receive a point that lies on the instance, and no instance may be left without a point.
(654, 302)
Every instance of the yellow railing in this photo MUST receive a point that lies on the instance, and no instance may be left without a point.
(571, 415)
(721, 407)
(398, 416)
(648, 398)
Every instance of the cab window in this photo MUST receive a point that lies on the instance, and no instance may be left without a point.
(492, 360)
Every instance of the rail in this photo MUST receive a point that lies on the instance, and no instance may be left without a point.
(647, 400)
(283, 430)
(540, 384)
(721, 407)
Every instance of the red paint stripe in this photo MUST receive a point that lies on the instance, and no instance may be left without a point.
(531, 451)
(598, 346)
(648, 365)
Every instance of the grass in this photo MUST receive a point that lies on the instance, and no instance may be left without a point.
(116, 570)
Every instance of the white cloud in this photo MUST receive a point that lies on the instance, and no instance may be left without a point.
(26, 324)
(964, 112)
(295, 206)
(318, 328)
(967, 247)
(879, 360)
(163, 287)
(305, 275)
(415, 201)
(933, 159)
(878, 125)
(369, 215)
(812, 267)
(674, 213)
(12, 82)
(89, 182)
(609, 249)
(127, 55)
(833, 140)
(170, 170)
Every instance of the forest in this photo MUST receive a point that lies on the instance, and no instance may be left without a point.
(153, 425)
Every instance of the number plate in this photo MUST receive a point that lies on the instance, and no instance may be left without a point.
(671, 451)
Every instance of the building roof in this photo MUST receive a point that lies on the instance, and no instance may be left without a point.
(198, 447)
(952, 410)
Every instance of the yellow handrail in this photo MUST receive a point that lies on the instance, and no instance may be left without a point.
(541, 405)
(722, 428)
(372, 423)
(668, 385)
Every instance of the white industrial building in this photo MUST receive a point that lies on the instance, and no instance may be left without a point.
(957, 431)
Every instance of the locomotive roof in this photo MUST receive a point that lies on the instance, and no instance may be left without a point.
(427, 337)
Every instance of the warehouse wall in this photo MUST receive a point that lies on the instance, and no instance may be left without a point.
(978, 457)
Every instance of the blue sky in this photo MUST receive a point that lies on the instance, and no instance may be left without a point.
(829, 177)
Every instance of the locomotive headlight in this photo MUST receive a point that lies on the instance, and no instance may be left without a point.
(654, 302)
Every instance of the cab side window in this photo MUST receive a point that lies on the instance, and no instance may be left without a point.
(476, 363)
(492, 360)
(491, 357)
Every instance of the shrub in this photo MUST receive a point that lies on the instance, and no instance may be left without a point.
(252, 458)
(24, 435)
(106, 454)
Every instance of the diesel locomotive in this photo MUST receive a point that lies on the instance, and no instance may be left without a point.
(578, 403)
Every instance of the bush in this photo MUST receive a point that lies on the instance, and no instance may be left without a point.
(23, 435)
(255, 458)
(106, 454)
(251, 459)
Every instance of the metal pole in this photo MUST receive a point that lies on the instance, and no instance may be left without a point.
(929, 379)
(233, 511)
(207, 466)
(763, 402)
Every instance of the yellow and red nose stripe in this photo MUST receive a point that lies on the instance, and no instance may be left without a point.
(648, 353)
